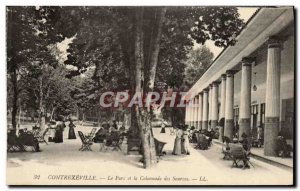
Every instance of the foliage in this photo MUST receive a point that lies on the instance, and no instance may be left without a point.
(197, 63)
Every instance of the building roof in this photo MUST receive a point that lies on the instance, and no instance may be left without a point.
(265, 23)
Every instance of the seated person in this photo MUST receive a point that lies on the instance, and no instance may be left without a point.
(226, 141)
(112, 137)
(226, 147)
(246, 147)
(282, 148)
(27, 138)
(14, 142)
(203, 142)
(100, 135)
(245, 142)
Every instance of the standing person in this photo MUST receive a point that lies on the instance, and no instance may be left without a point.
(259, 136)
(59, 132)
(246, 147)
(52, 130)
(221, 128)
(177, 142)
(185, 141)
(71, 130)
(163, 127)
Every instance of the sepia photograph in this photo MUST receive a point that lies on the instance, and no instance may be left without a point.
(150, 95)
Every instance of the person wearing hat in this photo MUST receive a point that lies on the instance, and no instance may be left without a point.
(185, 140)
(177, 142)
(71, 130)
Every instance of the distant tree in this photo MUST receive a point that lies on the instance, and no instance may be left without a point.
(21, 36)
(197, 63)
(33, 33)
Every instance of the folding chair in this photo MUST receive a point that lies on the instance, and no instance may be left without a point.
(116, 141)
(40, 135)
(238, 154)
(86, 143)
(202, 142)
(159, 147)
(91, 135)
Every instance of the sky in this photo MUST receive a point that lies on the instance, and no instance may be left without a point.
(245, 14)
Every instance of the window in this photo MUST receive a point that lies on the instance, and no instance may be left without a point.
(254, 109)
(254, 116)
(236, 115)
(262, 114)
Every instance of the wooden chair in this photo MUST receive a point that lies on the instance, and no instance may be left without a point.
(117, 140)
(202, 142)
(86, 143)
(226, 153)
(159, 147)
(238, 154)
(226, 148)
(91, 135)
(198, 139)
(40, 135)
(113, 140)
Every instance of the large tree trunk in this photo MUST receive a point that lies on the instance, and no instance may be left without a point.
(156, 45)
(52, 113)
(15, 100)
(42, 116)
(142, 115)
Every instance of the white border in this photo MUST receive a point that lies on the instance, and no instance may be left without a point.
(105, 3)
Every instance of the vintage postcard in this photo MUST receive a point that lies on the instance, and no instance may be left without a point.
(150, 95)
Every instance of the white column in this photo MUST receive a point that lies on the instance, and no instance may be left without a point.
(228, 132)
(205, 109)
(186, 115)
(222, 107)
(223, 96)
(200, 109)
(245, 101)
(210, 106)
(272, 97)
(188, 112)
(196, 111)
(192, 112)
(214, 105)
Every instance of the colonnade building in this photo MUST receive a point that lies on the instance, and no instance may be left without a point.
(251, 83)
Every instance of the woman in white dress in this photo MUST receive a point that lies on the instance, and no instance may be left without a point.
(185, 141)
(177, 142)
